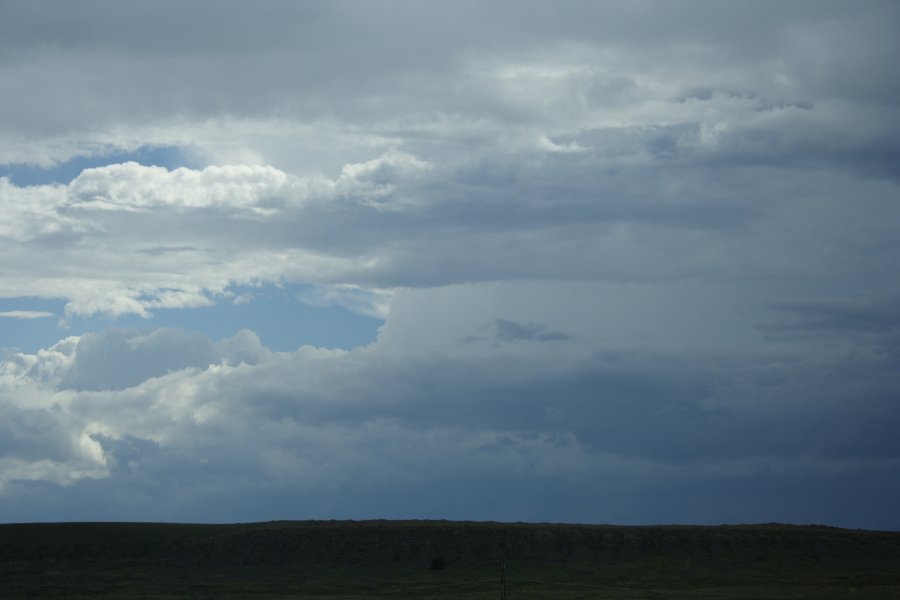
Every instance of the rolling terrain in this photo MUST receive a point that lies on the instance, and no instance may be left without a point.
(443, 559)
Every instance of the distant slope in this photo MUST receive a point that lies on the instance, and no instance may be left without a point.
(418, 543)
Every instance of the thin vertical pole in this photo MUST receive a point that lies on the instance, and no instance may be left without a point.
(502, 580)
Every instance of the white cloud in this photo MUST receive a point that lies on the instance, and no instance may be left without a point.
(25, 314)
(368, 302)
(117, 359)
(31, 212)
(131, 186)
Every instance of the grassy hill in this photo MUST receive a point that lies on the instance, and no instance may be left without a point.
(397, 559)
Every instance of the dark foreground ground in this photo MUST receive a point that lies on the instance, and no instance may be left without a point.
(394, 559)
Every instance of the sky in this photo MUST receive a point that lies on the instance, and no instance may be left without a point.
(586, 262)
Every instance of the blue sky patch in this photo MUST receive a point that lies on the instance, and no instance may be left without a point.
(170, 157)
(282, 322)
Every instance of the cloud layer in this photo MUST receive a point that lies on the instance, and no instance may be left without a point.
(620, 143)
(556, 426)
(637, 262)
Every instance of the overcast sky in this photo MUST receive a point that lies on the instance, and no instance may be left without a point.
(606, 262)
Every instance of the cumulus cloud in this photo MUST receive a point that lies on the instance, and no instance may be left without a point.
(137, 233)
(118, 359)
(133, 187)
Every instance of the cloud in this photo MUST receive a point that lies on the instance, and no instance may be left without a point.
(171, 421)
(840, 316)
(647, 150)
(508, 331)
(26, 314)
(367, 302)
(696, 217)
(850, 323)
(750, 83)
(118, 359)
(130, 239)
(134, 187)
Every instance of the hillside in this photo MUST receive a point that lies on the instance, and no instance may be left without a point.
(366, 558)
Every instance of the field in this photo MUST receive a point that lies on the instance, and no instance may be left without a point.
(440, 559)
